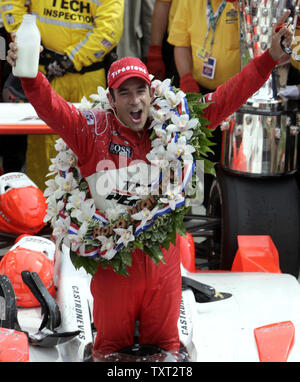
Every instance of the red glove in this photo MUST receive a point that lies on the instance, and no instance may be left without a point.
(155, 63)
(188, 84)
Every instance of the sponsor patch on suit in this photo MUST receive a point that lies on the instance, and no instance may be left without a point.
(117, 149)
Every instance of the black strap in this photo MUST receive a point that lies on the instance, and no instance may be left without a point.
(47, 56)
(203, 292)
(8, 305)
(50, 310)
(51, 314)
(91, 68)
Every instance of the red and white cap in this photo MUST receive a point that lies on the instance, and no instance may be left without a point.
(124, 69)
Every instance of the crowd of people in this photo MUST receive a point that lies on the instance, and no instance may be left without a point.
(201, 38)
(173, 38)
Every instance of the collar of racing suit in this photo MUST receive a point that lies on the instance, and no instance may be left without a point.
(125, 132)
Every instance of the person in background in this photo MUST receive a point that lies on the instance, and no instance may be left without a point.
(206, 39)
(77, 38)
(137, 29)
(160, 61)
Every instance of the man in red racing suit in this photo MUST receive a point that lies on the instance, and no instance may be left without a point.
(151, 293)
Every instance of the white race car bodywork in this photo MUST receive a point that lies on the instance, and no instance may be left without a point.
(218, 331)
(223, 331)
(75, 304)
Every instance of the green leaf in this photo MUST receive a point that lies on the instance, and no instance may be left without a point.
(137, 244)
(126, 258)
(171, 238)
(89, 264)
(155, 253)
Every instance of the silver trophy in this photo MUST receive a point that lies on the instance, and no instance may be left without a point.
(262, 137)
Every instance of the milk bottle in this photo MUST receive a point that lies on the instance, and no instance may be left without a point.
(28, 39)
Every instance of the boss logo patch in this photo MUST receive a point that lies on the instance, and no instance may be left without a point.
(117, 149)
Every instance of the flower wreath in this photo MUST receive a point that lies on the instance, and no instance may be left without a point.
(178, 135)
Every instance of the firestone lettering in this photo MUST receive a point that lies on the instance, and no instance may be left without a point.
(126, 68)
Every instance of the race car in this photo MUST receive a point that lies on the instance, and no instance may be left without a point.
(248, 314)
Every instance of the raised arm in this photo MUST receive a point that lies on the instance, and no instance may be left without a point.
(231, 95)
(62, 117)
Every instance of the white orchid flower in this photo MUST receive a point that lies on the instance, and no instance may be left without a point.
(115, 212)
(84, 105)
(159, 116)
(145, 215)
(75, 199)
(66, 160)
(53, 210)
(182, 124)
(86, 211)
(126, 235)
(160, 111)
(158, 157)
(60, 145)
(174, 99)
(54, 166)
(172, 197)
(62, 162)
(107, 246)
(141, 192)
(161, 88)
(163, 136)
(60, 228)
(155, 84)
(66, 184)
(180, 149)
(52, 187)
(77, 242)
(101, 98)
(51, 200)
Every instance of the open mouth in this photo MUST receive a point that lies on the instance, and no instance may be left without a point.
(136, 116)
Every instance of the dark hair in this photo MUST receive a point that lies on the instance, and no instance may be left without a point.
(111, 91)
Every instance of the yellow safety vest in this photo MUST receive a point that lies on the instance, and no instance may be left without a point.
(83, 29)
(189, 28)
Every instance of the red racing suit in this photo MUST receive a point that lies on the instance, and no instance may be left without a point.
(151, 294)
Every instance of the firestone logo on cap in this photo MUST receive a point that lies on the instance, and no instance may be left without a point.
(128, 68)
(124, 69)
